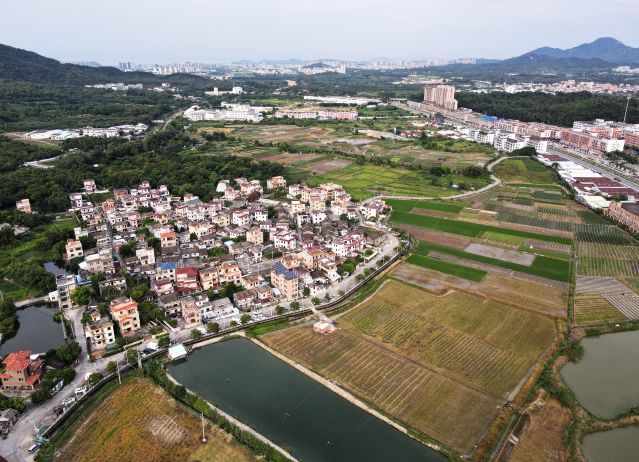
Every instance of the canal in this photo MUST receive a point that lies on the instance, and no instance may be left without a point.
(38, 331)
(291, 409)
(606, 379)
(619, 445)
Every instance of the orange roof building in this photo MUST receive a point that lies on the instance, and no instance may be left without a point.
(21, 374)
(124, 311)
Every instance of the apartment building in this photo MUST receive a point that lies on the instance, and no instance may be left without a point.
(625, 213)
(442, 96)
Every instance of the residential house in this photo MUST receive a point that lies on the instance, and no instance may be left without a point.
(99, 330)
(73, 249)
(21, 373)
(190, 312)
(125, 312)
(285, 280)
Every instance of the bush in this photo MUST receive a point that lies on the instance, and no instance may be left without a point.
(213, 328)
(196, 334)
(245, 318)
(68, 352)
(111, 367)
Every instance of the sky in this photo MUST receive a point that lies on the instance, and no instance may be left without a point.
(163, 31)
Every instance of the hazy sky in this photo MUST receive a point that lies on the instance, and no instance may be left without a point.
(163, 31)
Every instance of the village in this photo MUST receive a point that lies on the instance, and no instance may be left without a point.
(208, 266)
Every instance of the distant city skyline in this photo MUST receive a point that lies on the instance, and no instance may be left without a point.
(162, 31)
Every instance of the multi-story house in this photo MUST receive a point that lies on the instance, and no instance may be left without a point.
(286, 281)
(255, 236)
(284, 240)
(229, 273)
(146, 256)
(21, 374)
(190, 312)
(276, 182)
(209, 278)
(65, 284)
(24, 206)
(165, 271)
(99, 330)
(73, 249)
(186, 279)
(125, 312)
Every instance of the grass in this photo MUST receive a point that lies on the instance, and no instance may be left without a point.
(523, 171)
(407, 206)
(453, 269)
(467, 228)
(122, 427)
(547, 267)
(362, 181)
(500, 238)
(440, 364)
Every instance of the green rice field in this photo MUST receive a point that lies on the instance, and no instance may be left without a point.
(472, 274)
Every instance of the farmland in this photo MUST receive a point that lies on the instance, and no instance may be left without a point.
(464, 272)
(423, 358)
(138, 421)
(541, 266)
(519, 292)
(542, 437)
(366, 180)
(468, 228)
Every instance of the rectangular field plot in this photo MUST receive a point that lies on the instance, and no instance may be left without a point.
(592, 310)
(550, 268)
(434, 404)
(600, 285)
(477, 341)
(522, 293)
(601, 234)
(407, 206)
(453, 269)
(467, 228)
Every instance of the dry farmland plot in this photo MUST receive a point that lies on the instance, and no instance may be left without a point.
(509, 290)
(591, 310)
(436, 237)
(542, 439)
(325, 166)
(440, 407)
(139, 422)
(477, 341)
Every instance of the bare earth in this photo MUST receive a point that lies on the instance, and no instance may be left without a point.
(511, 256)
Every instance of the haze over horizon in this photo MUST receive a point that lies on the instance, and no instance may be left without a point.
(195, 30)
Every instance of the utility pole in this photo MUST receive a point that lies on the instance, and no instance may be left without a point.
(117, 363)
(626, 113)
(203, 435)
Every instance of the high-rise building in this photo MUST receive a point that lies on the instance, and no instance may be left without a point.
(442, 96)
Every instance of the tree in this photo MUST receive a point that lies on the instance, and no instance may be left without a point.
(192, 237)
(279, 309)
(68, 352)
(40, 395)
(233, 323)
(95, 378)
(111, 367)
(131, 355)
(213, 328)
(196, 334)
(340, 293)
(315, 301)
(149, 311)
(245, 318)
(81, 296)
(295, 306)
(327, 297)
(306, 291)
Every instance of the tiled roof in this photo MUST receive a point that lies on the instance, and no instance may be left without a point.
(18, 360)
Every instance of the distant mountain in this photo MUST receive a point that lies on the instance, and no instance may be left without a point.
(27, 66)
(606, 48)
